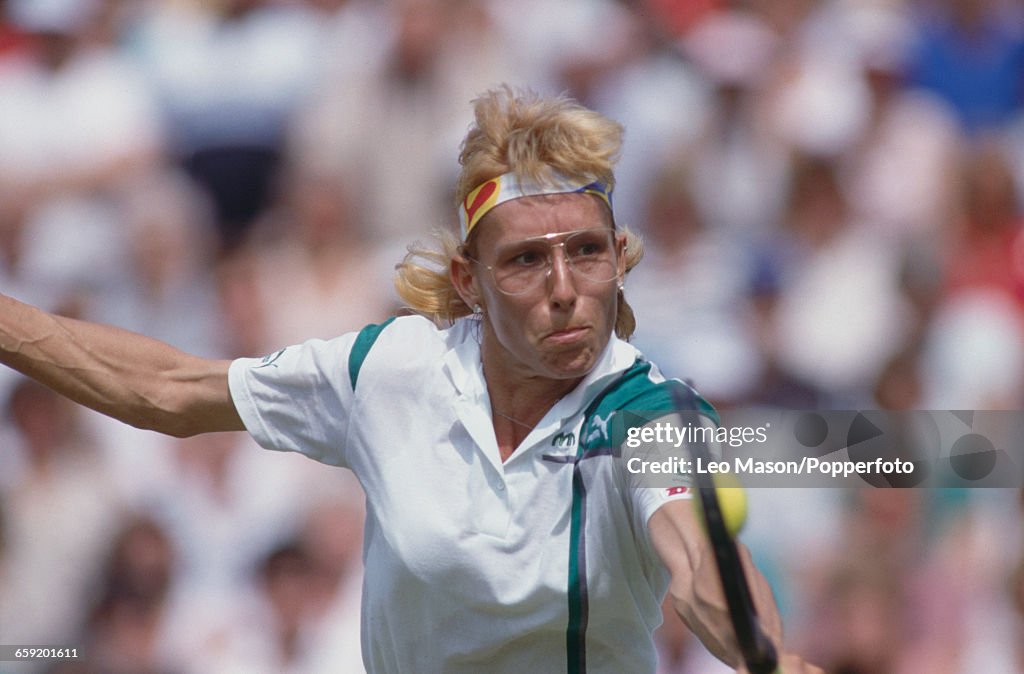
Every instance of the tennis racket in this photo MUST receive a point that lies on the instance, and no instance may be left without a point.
(757, 650)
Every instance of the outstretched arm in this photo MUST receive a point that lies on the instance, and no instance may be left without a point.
(138, 380)
(696, 591)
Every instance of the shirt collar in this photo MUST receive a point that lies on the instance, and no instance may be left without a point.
(462, 361)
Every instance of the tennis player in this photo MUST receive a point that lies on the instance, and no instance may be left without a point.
(501, 534)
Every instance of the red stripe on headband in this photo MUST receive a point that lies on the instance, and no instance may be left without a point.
(486, 190)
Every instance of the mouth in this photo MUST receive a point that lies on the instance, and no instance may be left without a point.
(567, 336)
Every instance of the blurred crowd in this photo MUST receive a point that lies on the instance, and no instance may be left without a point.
(831, 196)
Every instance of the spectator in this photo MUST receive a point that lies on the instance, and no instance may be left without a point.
(124, 629)
(317, 248)
(839, 316)
(12, 40)
(981, 248)
(58, 514)
(690, 294)
(970, 54)
(76, 122)
(230, 76)
(903, 168)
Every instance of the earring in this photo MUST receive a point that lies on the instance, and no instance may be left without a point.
(477, 310)
(622, 286)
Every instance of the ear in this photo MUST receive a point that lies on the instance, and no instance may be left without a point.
(464, 279)
(620, 256)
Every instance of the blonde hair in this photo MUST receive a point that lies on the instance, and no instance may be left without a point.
(532, 136)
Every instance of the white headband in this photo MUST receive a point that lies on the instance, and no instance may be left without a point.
(511, 186)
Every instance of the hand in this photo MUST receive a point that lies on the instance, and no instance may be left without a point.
(790, 663)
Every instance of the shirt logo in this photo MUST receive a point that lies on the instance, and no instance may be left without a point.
(564, 440)
(269, 359)
(598, 429)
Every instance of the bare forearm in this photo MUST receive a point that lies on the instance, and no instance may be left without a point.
(138, 380)
(702, 606)
(696, 589)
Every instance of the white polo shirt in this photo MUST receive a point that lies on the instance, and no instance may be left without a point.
(541, 563)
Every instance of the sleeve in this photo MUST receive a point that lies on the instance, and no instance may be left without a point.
(661, 470)
(298, 399)
(647, 500)
(651, 490)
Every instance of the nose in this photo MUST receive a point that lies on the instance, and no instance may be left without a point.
(561, 280)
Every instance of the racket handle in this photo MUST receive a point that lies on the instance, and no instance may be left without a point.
(765, 660)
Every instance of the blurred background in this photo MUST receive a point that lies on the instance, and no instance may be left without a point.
(830, 192)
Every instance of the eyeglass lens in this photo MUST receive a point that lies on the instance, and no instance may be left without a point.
(523, 265)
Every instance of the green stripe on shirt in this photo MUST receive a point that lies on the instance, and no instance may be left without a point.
(361, 348)
(632, 390)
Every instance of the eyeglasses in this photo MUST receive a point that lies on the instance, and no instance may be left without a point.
(523, 266)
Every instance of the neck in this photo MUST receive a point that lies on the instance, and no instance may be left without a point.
(519, 400)
(526, 401)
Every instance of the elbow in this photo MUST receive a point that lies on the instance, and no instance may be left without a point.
(177, 429)
(171, 412)
(191, 404)
(163, 422)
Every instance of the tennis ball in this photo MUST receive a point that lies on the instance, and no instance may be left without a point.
(732, 501)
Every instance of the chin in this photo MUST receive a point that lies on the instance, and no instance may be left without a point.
(573, 365)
